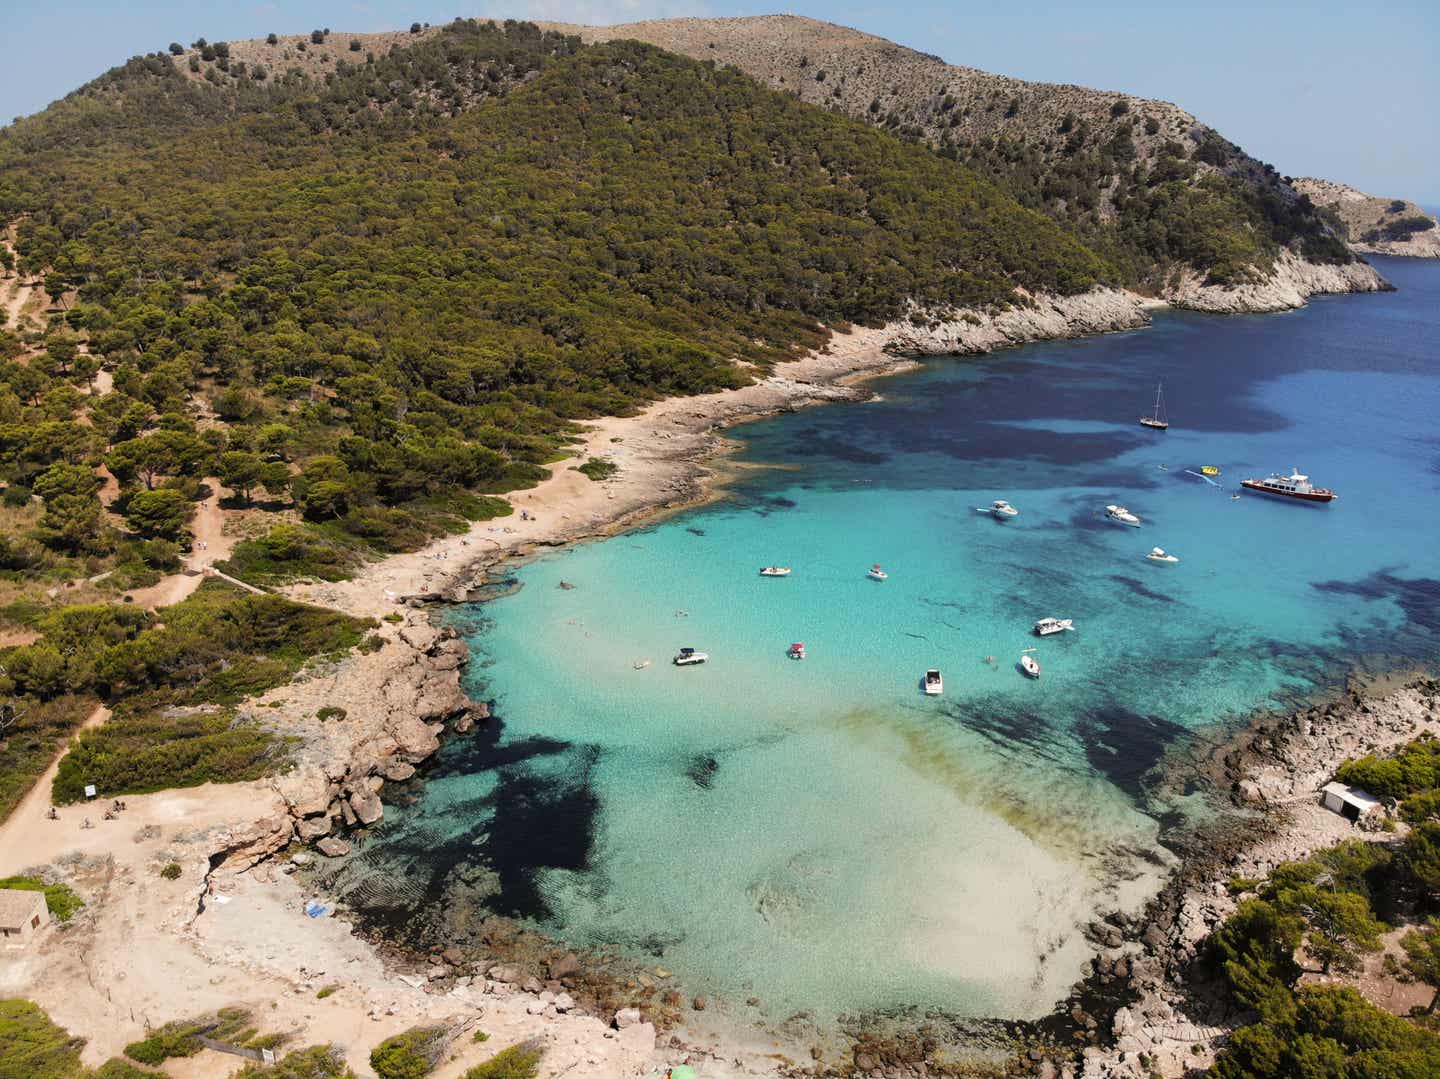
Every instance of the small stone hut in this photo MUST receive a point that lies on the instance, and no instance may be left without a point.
(1352, 803)
(22, 915)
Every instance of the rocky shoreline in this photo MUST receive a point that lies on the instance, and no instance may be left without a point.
(375, 717)
(1168, 1014)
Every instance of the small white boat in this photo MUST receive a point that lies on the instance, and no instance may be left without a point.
(796, 650)
(1047, 626)
(1029, 665)
(933, 683)
(1159, 554)
(999, 509)
(877, 574)
(688, 657)
(640, 664)
(1121, 515)
(775, 571)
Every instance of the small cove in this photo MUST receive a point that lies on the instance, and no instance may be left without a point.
(819, 834)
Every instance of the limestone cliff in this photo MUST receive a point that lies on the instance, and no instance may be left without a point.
(1376, 225)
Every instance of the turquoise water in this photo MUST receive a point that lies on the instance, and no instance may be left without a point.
(822, 835)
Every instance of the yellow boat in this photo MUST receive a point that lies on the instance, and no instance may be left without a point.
(1209, 470)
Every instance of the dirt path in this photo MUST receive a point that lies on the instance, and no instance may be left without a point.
(17, 294)
(210, 545)
(19, 832)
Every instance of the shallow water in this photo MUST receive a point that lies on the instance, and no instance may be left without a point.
(822, 835)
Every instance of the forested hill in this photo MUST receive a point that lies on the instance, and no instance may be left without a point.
(403, 280)
(1143, 181)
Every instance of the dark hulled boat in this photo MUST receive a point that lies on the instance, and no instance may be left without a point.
(1292, 486)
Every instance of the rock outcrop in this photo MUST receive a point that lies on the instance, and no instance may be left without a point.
(1376, 225)
(1292, 281)
(1046, 317)
(395, 703)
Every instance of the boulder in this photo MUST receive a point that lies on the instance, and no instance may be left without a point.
(333, 847)
(366, 805)
(564, 1002)
(397, 771)
(565, 966)
(531, 985)
(627, 1017)
(312, 828)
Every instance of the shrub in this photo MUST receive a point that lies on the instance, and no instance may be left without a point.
(1120, 108)
(271, 39)
(328, 991)
(331, 711)
(411, 1055)
(171, 871)
(60, 900)
(317, 37)
(316, 1062)
(598, 468)
(516, 1062)
(354, 44)
(176, 49)
(33, 1047)
(414, 27)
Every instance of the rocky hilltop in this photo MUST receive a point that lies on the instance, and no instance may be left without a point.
(1373, 224)
(1131, 176)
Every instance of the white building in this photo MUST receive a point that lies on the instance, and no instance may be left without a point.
(1352, 803)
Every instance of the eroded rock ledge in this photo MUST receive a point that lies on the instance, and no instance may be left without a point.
(394, 704)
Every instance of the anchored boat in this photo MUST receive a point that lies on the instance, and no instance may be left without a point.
(999, 509)
(796, 650)
(1121, 515)
(877, 574)
(775, 571)
(1046, 626)
(688, 657)
(1159, 554)
(1030, 666)
(934, 684)
(1294, 486)
(1156, 420)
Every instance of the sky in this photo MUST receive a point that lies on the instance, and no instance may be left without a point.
(1343, 91)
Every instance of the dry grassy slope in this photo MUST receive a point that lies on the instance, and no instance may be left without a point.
(793, 53)
(1361, 213)
(296, 52)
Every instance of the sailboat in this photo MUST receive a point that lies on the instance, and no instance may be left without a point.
(1157, 419)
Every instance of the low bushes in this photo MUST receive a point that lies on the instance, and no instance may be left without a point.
(516, 1062)
(411, 1055)
(60, 900)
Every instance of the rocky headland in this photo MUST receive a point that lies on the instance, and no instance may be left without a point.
(1376, 225)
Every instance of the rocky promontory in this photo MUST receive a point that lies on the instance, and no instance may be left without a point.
(1376, 225)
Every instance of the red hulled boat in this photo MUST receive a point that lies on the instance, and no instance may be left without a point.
(1292, 486)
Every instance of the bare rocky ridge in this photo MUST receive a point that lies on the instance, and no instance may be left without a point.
(876, 80)
(1365, 218)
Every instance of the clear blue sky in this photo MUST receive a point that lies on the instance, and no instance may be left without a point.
(1346, 91)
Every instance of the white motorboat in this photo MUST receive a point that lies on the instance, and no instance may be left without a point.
(877, 574)
(934, 684)
(775, 571)
(999, 509)
(1047, 626)
(1121, 515)
(688, 657)
(1030, 666)
(796, 650)
(1159, 554)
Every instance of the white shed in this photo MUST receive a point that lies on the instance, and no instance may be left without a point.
(22, 915)
(1352, 803)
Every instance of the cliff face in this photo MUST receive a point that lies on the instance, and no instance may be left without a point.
(1373, 224)
(1144, 181)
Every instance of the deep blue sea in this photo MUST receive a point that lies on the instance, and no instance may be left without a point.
(822, 835)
